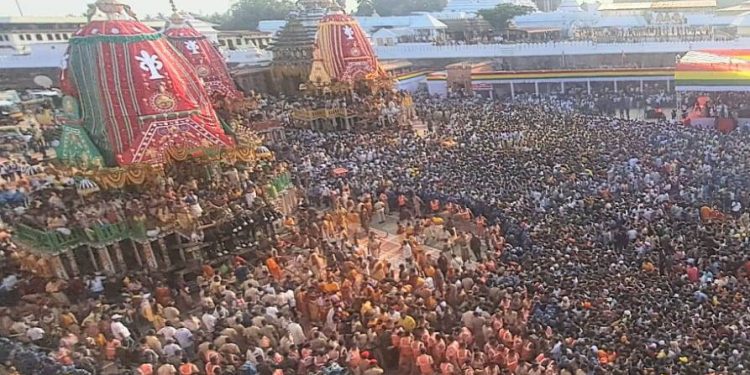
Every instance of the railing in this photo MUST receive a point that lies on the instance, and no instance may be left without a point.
(430, 51)
(53, 241)
(278, 184)
(109, 233)
(138, 230)
(282, 182)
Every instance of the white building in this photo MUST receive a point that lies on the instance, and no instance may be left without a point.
(41, 42)
(474, 6)
(568, 14)
(743, 24)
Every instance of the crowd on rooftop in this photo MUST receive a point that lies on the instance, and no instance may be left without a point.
(653, 33)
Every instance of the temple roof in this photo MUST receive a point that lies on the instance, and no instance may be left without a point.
(293, 34)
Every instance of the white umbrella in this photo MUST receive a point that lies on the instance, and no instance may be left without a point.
(86, 186)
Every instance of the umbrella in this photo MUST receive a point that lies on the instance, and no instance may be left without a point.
(263, 152)
(86, 187)
(33, 169)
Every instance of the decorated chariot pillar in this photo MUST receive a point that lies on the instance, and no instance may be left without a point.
(120, 259)
(57, 267)
(105, 261)
(148, 255)
(73, 263)
(164, 252)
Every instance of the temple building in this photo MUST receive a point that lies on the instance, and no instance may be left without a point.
(292, 55)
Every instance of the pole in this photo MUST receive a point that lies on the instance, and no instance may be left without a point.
(20, 10)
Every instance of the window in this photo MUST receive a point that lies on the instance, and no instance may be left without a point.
(28, 37)
(222, 42)
(50, 37)
(239, 41)
(21, 37)
(65, 36)
(7, 38)
(58, 37)
(39, 37)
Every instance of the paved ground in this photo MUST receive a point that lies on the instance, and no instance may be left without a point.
(390, 248)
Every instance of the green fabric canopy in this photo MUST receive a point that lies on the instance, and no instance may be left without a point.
(77, 150)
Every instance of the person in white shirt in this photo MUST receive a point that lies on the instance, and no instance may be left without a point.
(406, 250)
(167, 332)
(297, 333)
(166, 369)
(119, 330)
(209, 321)
(35, 334)
(184, 337)
(96, 285)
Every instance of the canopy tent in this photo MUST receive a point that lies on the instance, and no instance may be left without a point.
(714, 70)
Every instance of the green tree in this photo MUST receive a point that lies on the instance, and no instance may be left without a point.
(216, 18)
(501, 15)
(399, 7)
(246, 14)
(365, 8)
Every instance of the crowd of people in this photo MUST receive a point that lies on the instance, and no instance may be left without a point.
(534, 240)
(651, 33)
(624, 104)
(724, 105)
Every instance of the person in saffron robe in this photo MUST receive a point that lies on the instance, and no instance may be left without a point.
(273, 268)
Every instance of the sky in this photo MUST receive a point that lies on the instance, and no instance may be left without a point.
(78, 7)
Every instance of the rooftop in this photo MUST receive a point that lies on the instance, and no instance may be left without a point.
(660, 5)
(42, 20)
(415, 21)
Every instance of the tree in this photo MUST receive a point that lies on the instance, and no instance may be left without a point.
(501, 15)
(246, 14)
(216, 18)
(398, 7)
(365, 8)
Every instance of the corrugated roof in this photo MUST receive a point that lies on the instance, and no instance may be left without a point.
(425, 21)
(742, 21)
(415, 21)
(744, 7)
(679, 4)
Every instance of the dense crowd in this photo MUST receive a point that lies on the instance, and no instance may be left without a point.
(534, 240)
(625, 104)
(708, 104)
(651, 33)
